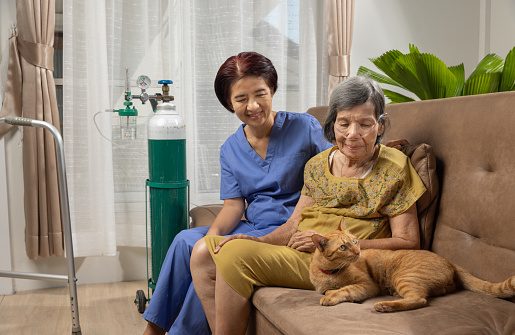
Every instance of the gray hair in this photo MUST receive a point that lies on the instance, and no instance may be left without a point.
(352, 92)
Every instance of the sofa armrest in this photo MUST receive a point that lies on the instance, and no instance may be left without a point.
(204, 215)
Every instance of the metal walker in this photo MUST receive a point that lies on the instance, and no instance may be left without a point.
(65, 212)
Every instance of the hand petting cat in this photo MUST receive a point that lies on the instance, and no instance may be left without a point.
(302, 241)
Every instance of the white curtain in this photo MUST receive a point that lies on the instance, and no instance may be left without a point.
(185, 41)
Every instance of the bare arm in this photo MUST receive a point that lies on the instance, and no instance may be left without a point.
(281, 235)
(405, 233)
(229, 217)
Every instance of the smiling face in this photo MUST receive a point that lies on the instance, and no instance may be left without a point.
(356, 130)
(251, 100)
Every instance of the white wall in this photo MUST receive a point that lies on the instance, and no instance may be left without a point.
(502, 28)
(454, 30)
(448, 29)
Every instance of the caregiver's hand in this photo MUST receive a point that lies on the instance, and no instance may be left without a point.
(234, 237)
(302, 241)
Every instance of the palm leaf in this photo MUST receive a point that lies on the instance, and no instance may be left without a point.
(442, 82)
(428, 76)
(404, 71)
(482, 83)
(459, 73)
(413, 49)
(396, 97)
(490, 63)
(380, 78)
(386, 62)
(508, 73)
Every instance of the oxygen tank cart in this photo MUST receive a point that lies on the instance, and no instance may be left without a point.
(167, 185)
(65, 213)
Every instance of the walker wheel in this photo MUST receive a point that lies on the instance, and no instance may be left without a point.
(141, 301)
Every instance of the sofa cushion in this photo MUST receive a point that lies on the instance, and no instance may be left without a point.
(424, 162)
(295, 311)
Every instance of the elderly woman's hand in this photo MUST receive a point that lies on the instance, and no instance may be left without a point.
(302, 241)
(397, 144)
(234, 237)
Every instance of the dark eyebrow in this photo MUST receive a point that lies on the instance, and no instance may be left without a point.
(261, 90)
(342, 118)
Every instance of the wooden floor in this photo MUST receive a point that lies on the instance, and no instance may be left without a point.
(103, 309)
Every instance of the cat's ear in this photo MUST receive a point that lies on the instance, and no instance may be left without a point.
(319, 241)
(341, 226)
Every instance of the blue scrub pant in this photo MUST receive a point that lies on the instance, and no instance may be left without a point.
(175, 306)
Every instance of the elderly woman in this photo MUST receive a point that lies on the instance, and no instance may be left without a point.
(371, 187)
(262, 165)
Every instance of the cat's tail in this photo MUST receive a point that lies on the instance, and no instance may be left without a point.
(504, 289)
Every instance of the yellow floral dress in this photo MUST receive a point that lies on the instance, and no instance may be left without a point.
(389, 189)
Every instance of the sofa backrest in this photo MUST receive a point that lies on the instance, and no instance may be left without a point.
(472, 139)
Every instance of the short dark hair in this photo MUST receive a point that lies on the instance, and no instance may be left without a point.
(242, 65)
(352, 92)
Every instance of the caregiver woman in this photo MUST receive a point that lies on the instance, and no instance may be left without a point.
(262, 163)
(372, 187)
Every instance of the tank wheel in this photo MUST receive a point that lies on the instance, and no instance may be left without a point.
(141, 301)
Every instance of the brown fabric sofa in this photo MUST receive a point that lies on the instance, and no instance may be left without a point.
(474, 226)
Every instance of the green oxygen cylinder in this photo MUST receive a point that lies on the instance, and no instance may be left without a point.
(168, 184)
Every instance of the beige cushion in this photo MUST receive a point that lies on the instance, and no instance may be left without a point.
(424, 162)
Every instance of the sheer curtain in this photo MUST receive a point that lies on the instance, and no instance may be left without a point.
(185, 41)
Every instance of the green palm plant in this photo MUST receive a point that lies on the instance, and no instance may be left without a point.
(427, 77)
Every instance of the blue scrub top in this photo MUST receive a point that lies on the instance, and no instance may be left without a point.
(272, 186)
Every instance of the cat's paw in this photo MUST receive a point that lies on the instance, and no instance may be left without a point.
(329, 301)
(332, 297)
(383, 307)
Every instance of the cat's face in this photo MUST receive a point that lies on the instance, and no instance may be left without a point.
(338, 246)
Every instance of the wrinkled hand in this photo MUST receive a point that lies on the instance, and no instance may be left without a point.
(302, 241)
(234, 237)
(397, 144)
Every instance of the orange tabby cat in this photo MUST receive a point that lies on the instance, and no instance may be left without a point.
(345, 273)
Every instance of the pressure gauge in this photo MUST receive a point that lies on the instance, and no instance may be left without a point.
(143, 82)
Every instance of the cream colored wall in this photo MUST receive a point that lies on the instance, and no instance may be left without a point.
(502, 27)
(456, 31)
(448, 29)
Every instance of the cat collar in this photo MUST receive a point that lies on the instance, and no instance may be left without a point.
(329, 272)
